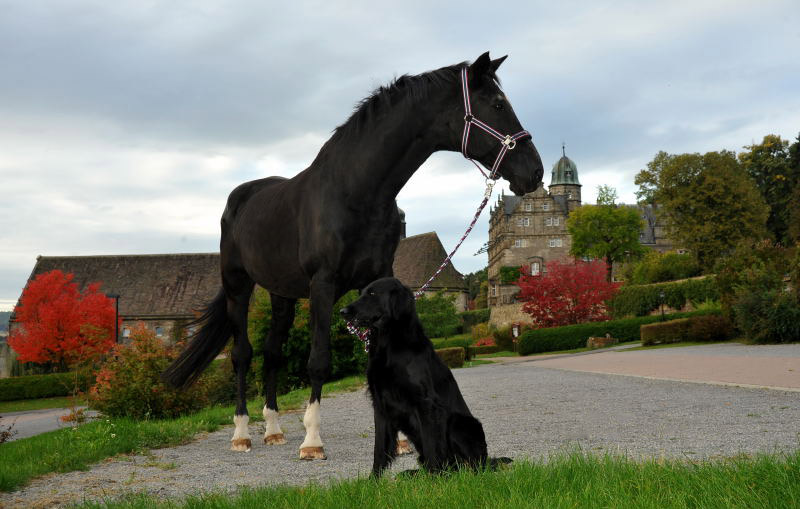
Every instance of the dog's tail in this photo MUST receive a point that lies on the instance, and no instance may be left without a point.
(212, 336)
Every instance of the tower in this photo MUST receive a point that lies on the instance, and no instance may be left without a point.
(564, 180)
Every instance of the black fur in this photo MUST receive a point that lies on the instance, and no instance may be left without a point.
(411, 388)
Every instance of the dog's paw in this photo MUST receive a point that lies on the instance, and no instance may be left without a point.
(403, 447)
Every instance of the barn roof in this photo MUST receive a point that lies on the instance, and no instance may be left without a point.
(150, 286)
(418, 257)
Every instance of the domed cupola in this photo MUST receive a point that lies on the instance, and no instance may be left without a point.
(564, 171)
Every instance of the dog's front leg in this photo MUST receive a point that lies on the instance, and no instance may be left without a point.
(385, 445)
(433, 427)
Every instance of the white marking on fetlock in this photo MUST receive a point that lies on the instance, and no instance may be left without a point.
(311, 420)
(272, 433)
(241, 434)
(403, 445)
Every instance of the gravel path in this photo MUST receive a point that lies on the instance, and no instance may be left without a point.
(526, 410)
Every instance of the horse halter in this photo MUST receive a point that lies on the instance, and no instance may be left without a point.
(507, 142)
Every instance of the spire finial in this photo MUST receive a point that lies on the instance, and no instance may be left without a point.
(563, 149)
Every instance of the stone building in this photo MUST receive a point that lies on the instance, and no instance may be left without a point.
(418, 257)
(161, 290)
(531, 230)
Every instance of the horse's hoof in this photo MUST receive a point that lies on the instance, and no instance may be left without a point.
(241, 444)
(403, 447)
(312, 453)
(274, 439)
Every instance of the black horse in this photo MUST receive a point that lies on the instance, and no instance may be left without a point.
(335, 226)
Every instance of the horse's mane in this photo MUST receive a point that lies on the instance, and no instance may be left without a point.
(416, 87)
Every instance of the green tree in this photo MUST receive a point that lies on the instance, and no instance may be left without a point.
(605, 231)
(474, 280)
(438, 315)
(482, 299)
(793, 230)
(769, 165)
(709, 201)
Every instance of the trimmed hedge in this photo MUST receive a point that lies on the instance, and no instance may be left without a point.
(474, 317)
(640, 300)
(672, 331)
(570, 337)
(41, 386)
(457, 342)
(484, 349)
(710, 328)
(452, 357)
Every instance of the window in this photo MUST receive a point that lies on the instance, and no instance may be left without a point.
(519, 243)
(519, 221)
(159, 332)
(548, 221)
(568, 174)
(528, 206)
(556, 221)
(126, 332)
(545, 206)
(556, 243)
(569, 196)
(494, 290)
(535, 269)
(552, 243)
(527, 221)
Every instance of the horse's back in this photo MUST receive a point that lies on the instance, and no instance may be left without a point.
(242, 194)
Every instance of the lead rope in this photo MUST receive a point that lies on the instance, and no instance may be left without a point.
(507, 142)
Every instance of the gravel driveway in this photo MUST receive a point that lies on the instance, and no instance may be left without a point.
(526, 410)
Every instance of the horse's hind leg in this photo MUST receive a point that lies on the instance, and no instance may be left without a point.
(282, 318)
(238, 288)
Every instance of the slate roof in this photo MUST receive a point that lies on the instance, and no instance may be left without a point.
(150, 286)
(418, 257)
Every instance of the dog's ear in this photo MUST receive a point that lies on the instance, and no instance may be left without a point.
(401, 303)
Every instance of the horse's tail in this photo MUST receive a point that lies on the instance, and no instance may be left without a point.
(209, 340)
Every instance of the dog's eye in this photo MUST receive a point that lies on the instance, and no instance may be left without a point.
(499, 106)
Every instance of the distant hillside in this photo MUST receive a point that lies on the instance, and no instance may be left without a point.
(4, 317)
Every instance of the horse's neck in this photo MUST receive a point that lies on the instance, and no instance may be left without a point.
(376, 164)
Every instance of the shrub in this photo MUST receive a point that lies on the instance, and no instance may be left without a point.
(504, 338)
(574, 336)
(452, 357)
(41, 386)
(438, 315)
(347, 351)
(476, 316)
(472, 351)
(487, 341)
(456, 342)
(641, 300)
(656, 267)
(510, 274)
(672, 331)
(479, 331)
(129, 382)
(768, 316)
(710, 328)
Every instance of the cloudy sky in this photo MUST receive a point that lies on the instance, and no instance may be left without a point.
(124, 125)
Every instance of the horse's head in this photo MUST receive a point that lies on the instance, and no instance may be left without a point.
(521, 165)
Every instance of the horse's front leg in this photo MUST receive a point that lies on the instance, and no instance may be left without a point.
(323, 296)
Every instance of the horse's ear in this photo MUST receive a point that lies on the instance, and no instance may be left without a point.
(479, 68)
(496, 63)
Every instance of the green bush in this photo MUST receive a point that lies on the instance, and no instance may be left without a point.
(671, 331)
(347, 351)
(504, 338)
(710, 328)
(509, 274)
(570, 337)
(481, 350)
(476, 316)
(641, 300)
(452, 357)
(480, 331)
(656, 267)
(129, 382)
(438, 315)
(769, 316)
(462, 341)
(41, 386)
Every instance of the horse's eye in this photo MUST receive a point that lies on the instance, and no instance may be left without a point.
(499, 106)
(371, 293)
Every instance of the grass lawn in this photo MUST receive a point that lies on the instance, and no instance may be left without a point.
(475, 362)
(504, 353)
(24, 405)
(76, 448)
(565, 481)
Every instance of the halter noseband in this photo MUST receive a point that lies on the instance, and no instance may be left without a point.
(507, 142)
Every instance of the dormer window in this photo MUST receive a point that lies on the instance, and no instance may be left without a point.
(568, 174)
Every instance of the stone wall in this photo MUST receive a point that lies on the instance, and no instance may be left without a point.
(501, 316)
(6, 360)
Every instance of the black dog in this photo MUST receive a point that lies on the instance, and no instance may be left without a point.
(412, 390)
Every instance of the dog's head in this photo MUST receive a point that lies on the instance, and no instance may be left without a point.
(383, 303)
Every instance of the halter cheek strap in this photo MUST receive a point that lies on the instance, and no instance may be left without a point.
(507, 142)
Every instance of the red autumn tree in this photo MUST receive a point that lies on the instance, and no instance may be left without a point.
(567, 293)
(59, 324)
